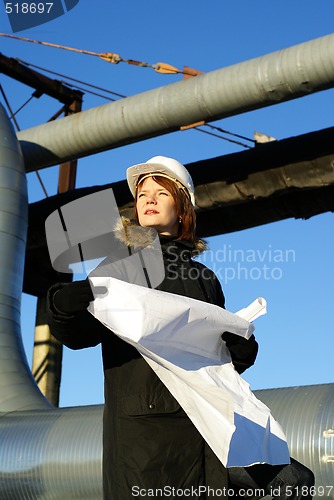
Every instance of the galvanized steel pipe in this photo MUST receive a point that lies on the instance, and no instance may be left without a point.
(51, 454)
(18, 390)
(306, 414)
(44, 452)
(56, 454)
(263, 81)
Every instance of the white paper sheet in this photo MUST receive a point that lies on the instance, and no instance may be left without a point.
(256, 309)
(180, 338)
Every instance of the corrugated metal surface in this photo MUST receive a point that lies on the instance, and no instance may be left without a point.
(51, 455)
(18, 389)
(307, 417)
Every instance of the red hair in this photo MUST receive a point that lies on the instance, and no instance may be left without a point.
(183, 205)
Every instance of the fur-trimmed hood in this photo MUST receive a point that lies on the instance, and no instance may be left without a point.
(130, 233)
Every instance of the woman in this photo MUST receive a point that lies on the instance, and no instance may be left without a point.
(150, 447)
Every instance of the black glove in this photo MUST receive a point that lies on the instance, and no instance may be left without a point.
(231, 338)
(243, 352)
(74, 297)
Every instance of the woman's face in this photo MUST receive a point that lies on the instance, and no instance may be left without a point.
(156, 208)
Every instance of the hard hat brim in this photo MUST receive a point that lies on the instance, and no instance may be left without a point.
(134, 172)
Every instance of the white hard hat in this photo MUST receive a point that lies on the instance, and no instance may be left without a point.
(164, 166)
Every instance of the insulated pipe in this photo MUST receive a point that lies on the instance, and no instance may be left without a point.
(18, 390)
(44, 452)
(271, 79)
(51, 454)
(306, 415)
(56, 454)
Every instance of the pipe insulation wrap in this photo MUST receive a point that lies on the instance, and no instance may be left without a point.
(51, 455)
(18, 390)
(306, 415)
(54, 454)
(263, 81)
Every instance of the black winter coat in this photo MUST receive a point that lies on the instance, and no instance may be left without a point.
(149, 444)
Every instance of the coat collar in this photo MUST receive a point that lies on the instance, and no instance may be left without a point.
(131, 234)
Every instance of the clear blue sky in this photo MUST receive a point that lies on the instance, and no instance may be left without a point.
(295, 336)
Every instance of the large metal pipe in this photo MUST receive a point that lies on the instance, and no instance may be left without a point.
(307, 417)
(51, 454)
(44, 452)
(18, 390)
(263, 81)
(56, 454)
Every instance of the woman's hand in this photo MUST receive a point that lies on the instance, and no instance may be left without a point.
(74, 297)
(243, 352)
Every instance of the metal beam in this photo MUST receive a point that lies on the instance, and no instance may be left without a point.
(277, 77)
(43, 85)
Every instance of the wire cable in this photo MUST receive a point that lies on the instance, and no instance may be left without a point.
(72, 79)
(229, 133)
(223, 138)
(110, 57)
